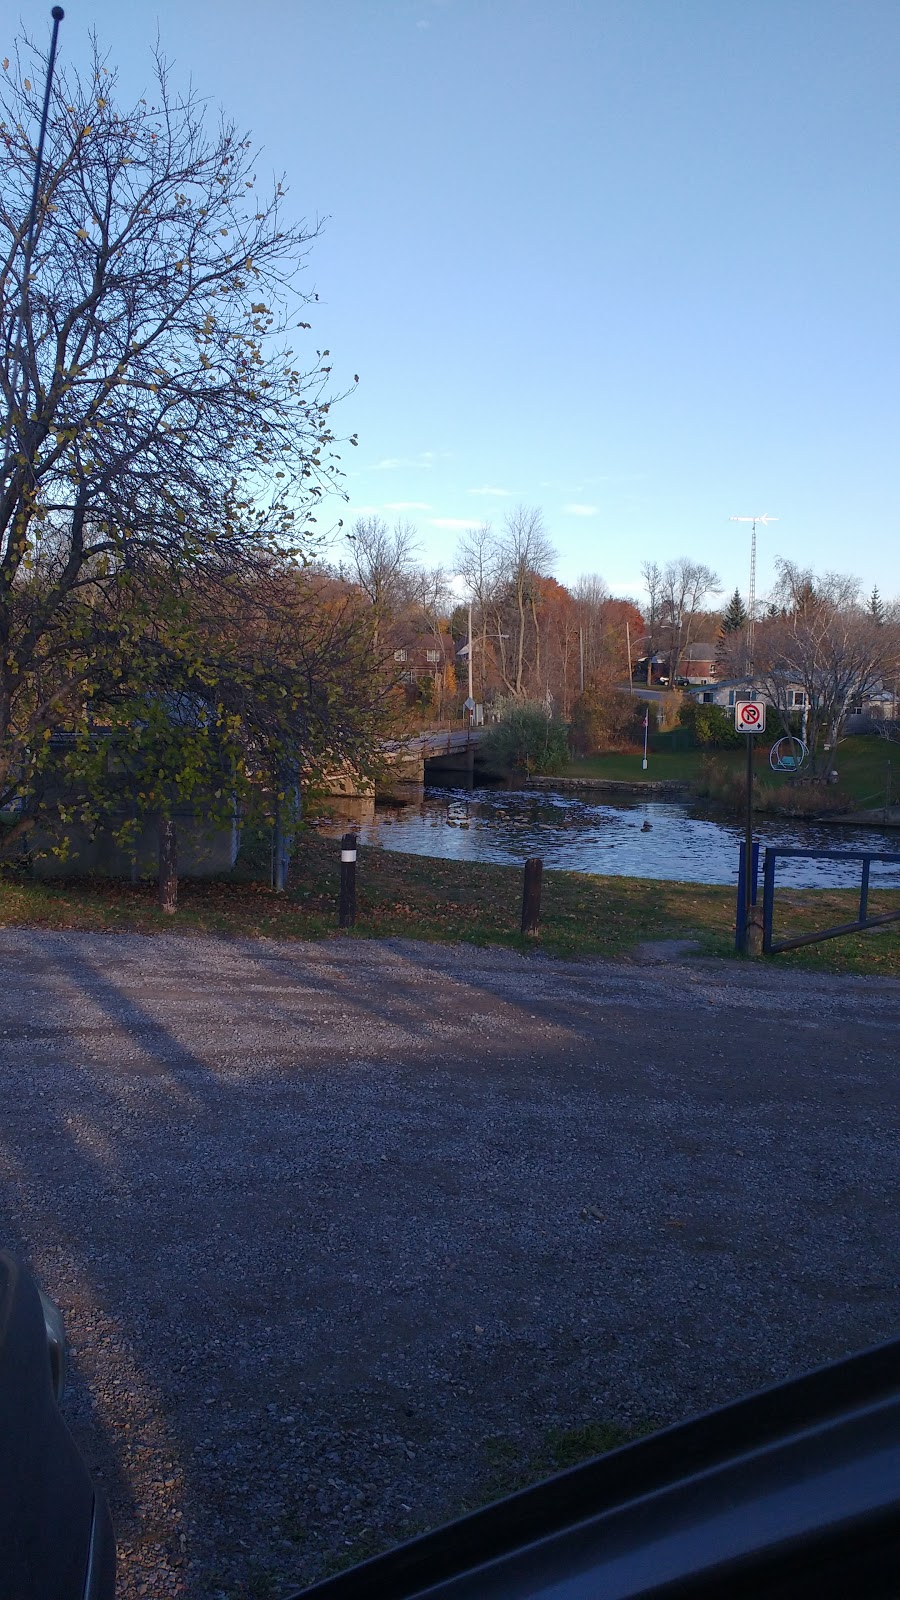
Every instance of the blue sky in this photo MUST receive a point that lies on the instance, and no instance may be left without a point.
(634, 261)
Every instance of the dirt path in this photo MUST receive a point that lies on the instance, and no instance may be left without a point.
(325, 1219)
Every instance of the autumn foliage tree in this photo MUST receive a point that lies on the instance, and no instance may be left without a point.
(159, 421)
(825, 641)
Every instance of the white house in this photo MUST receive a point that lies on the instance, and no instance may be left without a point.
(728, 690)
(879, 705)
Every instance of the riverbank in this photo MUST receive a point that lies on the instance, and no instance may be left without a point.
(868, 769)
(414, 896)
(665, 788)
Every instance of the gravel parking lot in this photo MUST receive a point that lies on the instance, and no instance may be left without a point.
(324, 1221)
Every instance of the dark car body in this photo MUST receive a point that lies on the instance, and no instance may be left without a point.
(791, 1494)
(56, 1539)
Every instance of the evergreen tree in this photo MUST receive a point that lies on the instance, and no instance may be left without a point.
(876, 606)
(735, 614)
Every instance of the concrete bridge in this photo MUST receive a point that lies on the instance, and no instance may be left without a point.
(406, 761)
(437, 749)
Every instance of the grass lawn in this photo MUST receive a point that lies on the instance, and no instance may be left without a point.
(865, 764)
(624, 766)
(419, 897)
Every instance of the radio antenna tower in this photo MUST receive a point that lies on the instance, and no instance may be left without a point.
(764, 519)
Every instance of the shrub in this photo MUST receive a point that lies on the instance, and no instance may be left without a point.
(711, 726)
(807, 799)
(727, 788)
(608, 719)
(525, 737)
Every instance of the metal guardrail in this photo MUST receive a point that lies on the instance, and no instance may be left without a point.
(773, 946)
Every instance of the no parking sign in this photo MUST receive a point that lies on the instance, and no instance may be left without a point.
(749, 716)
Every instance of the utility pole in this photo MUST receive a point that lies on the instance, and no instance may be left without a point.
(469, 652)
(581, 658)
(764, 520)
(628, 644)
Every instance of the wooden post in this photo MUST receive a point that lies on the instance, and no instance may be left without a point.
(347, 909)
(168, 866)
(754, 942)
(531, 896)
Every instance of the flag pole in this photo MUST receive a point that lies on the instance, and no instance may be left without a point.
(646, 736)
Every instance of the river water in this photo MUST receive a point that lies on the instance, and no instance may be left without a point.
(597, 835)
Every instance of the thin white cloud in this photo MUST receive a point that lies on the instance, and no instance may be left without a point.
(425, 458)
(406, 505)
(449, 522)
(581, 511)
(488, 488)
(363, 511)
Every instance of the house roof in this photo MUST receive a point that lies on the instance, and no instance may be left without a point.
(699, 652)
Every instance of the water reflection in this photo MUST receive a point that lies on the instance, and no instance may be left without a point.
(631, 838)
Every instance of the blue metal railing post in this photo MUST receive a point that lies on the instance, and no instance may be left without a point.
(768, 899)
(864, 889)
(740, 921)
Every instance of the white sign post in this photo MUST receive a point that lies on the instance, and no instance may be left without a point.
(749, 716)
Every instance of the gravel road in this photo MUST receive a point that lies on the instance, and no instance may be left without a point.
(325, 1220)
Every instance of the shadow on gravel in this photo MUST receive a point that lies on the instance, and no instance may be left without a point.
(80, 1205)
(324, 1223)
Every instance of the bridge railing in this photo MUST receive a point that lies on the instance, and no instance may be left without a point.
(435, 740)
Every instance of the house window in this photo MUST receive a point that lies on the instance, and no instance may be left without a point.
(432, 655)
(796, 697)
(731, 697)
(399, 655)
(707, 699)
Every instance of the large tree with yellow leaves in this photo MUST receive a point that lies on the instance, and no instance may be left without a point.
(157, 418)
